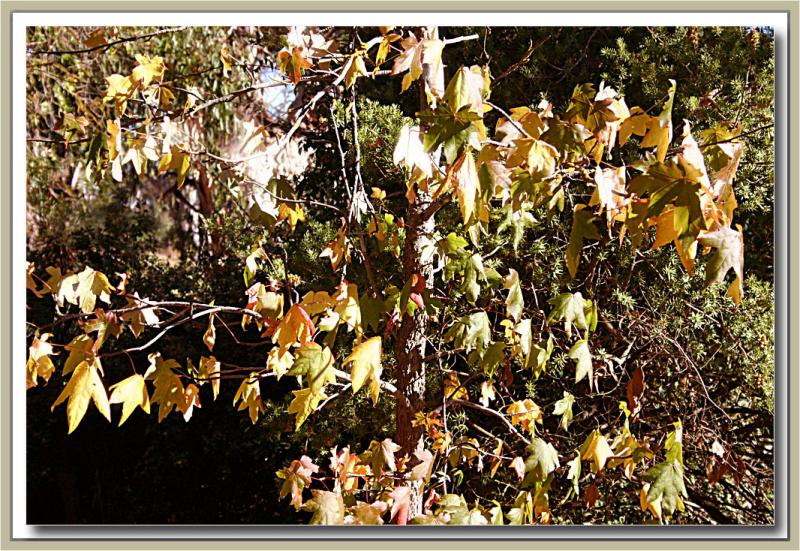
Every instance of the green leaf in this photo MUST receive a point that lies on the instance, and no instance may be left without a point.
(328, 507)
(372, 309)
(583, 360)
(666, 484)
(582, 228)
(315, 363)
(542, 460)
(467, 89)
(564, 408)
(473, 268)
(570, 307)
(452, 130)
(471, 331)
(673, 183)
(729, 255)
(514, 300)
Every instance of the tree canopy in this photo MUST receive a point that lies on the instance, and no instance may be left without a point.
(407, 275)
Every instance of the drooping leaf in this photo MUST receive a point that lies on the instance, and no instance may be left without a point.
(410, 151)
(583, 228)
(248, 396)
(303, 404)
(84, 386)
(514, 300)
(596, 449)
(169, 392)
(563, 407)
(296, 477)
(210, 336)
(401, 503)
(729, 255)
(131, 393)
(583, 360)
(666, 486)
(210, 371)
(338, 250)
(39, 363)
(366, 360)
(473, 270)
(423, 470)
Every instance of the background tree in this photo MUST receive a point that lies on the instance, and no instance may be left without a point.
(207, 182)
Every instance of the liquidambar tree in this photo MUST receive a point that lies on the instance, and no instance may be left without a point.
(515, 401)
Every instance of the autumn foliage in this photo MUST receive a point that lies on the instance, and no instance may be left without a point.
(515, 400)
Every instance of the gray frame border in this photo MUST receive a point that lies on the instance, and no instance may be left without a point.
(782, 266)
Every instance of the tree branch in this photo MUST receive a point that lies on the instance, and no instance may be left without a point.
(110, 44)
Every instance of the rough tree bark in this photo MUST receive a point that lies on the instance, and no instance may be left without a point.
(411, 337)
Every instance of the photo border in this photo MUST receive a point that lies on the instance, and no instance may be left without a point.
(603, 537)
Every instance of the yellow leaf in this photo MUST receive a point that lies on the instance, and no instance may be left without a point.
(525, 413)
(191, 399)
(210, 336)
(84, 385)
(279, 361)
(147, 70)
(39, 362)
(453, 389)
(366, 359)
(114, 139)
(295, 329)
(249, 396)
(303, 404)
(131, 393)
(347, 306)
(225, 58)
(166, 97)
(141, 317)
(292, 214)
(654, 507)
(120, 89)
(91, 286)
(355, 68)
(596, 449)
(169, 392)
(140, 151)
(337, 250)
(316, 302)
(210, 371)
(177, 159)
(267, 303)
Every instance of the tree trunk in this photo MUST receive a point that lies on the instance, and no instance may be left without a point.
(410, 343)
